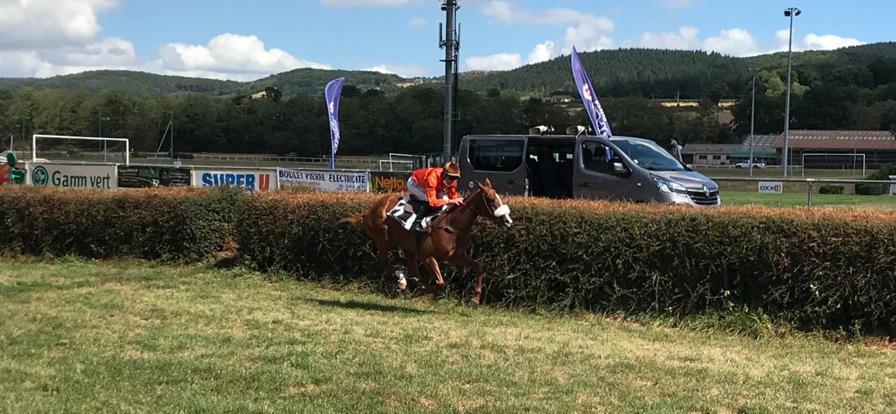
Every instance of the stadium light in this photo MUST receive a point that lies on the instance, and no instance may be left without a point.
(790, 12)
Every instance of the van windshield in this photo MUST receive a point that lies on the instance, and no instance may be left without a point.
(649, 155)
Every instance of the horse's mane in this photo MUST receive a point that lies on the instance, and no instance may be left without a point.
(476, 193)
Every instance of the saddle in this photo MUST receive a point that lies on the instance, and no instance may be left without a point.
(415, 214)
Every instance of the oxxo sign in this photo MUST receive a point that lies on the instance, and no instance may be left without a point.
(102, 177)
(771, 187)
(252, 180)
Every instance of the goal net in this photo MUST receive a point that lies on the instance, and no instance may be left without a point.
(77, 149)
(853, 164)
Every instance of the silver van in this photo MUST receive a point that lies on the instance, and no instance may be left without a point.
(566, 166)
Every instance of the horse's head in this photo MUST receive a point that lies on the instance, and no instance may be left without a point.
(499, 211)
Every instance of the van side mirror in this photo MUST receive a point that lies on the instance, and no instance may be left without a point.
(619, 168)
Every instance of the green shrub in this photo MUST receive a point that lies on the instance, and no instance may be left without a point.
(871, 189)
(811, 268)
(883, 173)
(830, 189)
(175, 225)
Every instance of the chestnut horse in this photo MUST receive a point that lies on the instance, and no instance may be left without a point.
(447, 239)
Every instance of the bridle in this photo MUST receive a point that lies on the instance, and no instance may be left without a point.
(499, 212)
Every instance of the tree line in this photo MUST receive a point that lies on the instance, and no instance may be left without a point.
(825, 95)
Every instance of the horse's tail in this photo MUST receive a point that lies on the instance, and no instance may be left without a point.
(355, 220)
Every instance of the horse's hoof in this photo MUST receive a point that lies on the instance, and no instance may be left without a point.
(402, 281)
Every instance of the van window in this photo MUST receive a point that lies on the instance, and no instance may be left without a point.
(496, 155)
(594, 157)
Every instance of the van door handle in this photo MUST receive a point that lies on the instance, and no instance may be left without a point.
(584, 185)
(511, 182)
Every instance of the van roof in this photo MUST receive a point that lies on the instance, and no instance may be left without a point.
(559, 137)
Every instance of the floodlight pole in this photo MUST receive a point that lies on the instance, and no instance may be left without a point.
(451, 45)
(790, 12)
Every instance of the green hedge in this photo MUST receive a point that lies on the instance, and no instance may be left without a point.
(830, 189)
(815, 268)
(172, 225)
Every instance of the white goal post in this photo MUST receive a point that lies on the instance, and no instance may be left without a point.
(834, 154)
(127, 143)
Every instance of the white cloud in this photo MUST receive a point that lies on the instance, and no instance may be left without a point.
(541, 53)
(586, 38)
(400, 69)
(231, 56)
(500, 61)
(30, 24)
(685, 38)
(108, 53)
(781, 39)
(585, 31)
(813, 41)
(20, 64)
(733, 42)
(501, 11)
(417, 23)
(363, 3)
(677, 4)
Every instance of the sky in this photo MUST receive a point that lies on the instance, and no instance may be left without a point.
(246, 40)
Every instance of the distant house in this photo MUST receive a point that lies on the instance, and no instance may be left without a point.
(763, 150)
(879, 147)
(709, 154)
(729, 154)
(561, 98)
(413, 82)
(692, 103)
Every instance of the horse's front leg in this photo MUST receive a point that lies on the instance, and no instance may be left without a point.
(464, 260)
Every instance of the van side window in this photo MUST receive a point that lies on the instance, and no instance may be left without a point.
(496, 155)
(594, 157)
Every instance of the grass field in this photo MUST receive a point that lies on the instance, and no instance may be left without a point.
(818, 173)
(138, 337)
(800, 200)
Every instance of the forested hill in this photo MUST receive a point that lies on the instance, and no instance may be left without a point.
(666, 73)
(615, 73)
(294, 82)
(96, 82)
(313, 81)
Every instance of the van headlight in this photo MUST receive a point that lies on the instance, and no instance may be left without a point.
(667, 186)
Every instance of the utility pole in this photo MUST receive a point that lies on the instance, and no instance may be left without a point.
(171, 121)
(101, 133)
(452, 46)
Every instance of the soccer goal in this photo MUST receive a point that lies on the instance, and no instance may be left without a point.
(834, 160)
(67, 148)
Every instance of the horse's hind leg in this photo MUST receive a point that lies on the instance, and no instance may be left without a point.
(413, 268)
(380, 236)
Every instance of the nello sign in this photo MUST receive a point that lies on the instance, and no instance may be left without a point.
(102, 177)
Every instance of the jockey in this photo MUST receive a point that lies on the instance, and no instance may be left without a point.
(435, 187)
